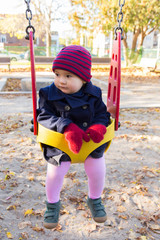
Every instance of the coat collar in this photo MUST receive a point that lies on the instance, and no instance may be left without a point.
(55, 94)
(92, 90)
(76, 99)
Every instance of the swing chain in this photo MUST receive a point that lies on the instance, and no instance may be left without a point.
(29, 18)
(120, 19)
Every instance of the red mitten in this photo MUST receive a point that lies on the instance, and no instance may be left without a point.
(96, 132)
(74, 135)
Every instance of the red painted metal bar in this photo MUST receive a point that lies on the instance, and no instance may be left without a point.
(114, 81)
(33, 77)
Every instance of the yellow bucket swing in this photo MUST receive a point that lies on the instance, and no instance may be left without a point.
(55, 139)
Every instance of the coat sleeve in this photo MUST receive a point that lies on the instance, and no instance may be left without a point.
(101, 115)
(48, 117)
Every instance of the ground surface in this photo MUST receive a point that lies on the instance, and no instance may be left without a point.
(131, 195)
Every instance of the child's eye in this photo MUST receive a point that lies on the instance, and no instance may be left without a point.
(57, 74)
(69, 76)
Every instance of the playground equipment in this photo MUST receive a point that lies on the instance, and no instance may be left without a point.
(56, 139)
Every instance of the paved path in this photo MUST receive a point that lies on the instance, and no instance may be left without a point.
(139, 95)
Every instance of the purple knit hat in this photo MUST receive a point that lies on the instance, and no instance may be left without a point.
(75, 59)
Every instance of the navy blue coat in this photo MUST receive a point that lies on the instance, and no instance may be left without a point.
(57, 110)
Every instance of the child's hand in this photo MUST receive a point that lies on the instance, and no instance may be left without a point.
(96, 132)
(74, 135)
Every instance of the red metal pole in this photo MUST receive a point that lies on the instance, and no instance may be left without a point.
(33, 78)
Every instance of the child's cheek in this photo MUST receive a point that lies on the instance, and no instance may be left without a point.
(55, 82)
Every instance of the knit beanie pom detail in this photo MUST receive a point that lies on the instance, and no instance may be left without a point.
(75, 59)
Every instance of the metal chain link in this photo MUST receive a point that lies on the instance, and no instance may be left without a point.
(29, 18)
(120, 19)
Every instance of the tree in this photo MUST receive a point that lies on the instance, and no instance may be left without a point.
(141, 17)
(45, 12)
(12, 24)
(82, 16)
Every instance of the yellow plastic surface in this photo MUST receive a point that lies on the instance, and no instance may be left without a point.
(57, 140)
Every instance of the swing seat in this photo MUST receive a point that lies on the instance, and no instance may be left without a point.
(55, 139)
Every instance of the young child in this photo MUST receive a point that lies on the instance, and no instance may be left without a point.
(72, 105)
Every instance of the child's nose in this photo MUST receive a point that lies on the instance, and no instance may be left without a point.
(62, 80)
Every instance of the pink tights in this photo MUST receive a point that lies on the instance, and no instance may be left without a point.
(95, 169)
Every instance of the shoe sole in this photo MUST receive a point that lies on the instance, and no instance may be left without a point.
(50, 225)
(100, 219)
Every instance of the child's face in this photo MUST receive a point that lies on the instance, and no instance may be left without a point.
(67, 82)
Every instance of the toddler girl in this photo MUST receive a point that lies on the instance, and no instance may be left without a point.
(72, 105)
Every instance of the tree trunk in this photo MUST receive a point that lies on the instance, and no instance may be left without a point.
(48, 43)
(126, 53)
(140, 44)
(142, 37)
(135, 37)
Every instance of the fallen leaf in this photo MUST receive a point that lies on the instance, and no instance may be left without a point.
(39, 213)
(87, 214)
(7, 177)
(142, 231)
(121, 209)
(71, 175)
(43, 184)
(92, 227)
(28, 212)
(31, 178)
(22, 225)
(24, 235)
(123, 217)
(154, 227)
(64, 211)
(143, 238)
(80, 207)
(77, 182)
(9, 235)
(38, 229)
(76, 199)
(11, 207)
(58, 228)
(2, 187)
(14, 184)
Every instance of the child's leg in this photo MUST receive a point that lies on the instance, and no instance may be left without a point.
(95, 169)
(54, 180)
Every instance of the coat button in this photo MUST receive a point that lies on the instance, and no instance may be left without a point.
(85, 107)
(67, 108)
(85, 124)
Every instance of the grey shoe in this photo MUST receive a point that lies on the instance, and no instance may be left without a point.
(97, 210)
(51, 215)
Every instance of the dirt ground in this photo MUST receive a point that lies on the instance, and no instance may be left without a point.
(131, 195)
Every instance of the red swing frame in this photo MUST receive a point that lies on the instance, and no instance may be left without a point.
(114, 82)
(33, 77)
